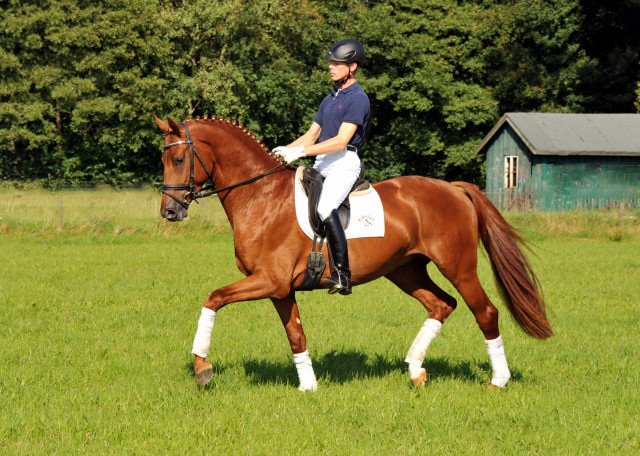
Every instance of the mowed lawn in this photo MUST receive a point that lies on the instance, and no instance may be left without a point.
(98, 319)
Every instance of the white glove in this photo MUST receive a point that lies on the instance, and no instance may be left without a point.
(289, 154)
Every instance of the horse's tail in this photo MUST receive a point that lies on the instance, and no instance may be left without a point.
(516, 281)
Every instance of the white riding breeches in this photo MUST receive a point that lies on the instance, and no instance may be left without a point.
(340, 170)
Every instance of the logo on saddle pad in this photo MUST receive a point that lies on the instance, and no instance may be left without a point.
(366, 218)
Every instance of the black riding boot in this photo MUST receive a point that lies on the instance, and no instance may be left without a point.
(340, 280)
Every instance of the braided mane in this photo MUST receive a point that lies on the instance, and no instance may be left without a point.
(240, 128)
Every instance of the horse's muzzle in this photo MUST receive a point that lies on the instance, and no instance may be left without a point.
(173, 211)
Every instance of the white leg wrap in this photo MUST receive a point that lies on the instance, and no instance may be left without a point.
(501, 374)
(418, 350)
(202, 341)
(305, 372)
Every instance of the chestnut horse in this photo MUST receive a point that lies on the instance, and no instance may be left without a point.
(425, 220)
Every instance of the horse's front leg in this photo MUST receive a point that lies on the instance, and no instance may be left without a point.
(288, 310)
(255, 286)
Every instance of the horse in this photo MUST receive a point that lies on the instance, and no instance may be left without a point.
(426, 220)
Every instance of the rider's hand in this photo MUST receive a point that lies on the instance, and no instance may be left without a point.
(289, 154)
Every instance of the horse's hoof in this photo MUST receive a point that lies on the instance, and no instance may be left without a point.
(493, 387)
(308, 388)
(204, 376)
(421, 379)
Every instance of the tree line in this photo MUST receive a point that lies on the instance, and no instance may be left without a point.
(80, 80)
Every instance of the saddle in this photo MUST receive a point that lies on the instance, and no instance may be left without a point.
(312, 182)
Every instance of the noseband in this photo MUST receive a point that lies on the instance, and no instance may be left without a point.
(192, 195)
(190, 188)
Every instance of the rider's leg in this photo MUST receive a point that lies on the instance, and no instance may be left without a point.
(340, 280)
(336, 188)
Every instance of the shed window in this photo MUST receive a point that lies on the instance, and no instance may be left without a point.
(511, 171)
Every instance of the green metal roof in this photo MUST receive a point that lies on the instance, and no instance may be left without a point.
(574, 134)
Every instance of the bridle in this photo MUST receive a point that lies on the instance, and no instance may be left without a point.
(192, 195)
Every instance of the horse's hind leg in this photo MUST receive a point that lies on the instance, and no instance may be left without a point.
(468, 285)
(288, 311)
(413, 279)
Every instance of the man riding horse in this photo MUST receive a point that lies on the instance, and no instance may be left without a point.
(427, 221)
(334, 138)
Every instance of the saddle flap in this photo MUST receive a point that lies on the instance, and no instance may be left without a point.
(311, 182)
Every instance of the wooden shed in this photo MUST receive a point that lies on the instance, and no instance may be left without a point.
(540, 161)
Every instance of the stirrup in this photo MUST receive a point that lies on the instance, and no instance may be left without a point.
(338, 285)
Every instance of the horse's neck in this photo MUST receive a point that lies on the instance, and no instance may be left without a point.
(235, 154)
(239, 161)
(239, 164)
(250, 204)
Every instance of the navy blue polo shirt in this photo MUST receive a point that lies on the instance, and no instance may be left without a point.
(344, 105)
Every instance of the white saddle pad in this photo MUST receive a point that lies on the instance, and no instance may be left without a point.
(367, 216)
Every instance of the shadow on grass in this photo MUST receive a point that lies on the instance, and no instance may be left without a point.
(470, 371)
(346, 366)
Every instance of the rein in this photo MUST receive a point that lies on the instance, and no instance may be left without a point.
(193, 195)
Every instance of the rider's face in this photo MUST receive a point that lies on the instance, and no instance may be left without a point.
(340, 70)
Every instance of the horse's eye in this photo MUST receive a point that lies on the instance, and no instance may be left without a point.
(178, 161)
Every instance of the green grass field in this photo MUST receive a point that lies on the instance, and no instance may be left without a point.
(99, 311)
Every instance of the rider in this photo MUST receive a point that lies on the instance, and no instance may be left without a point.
(334, 138)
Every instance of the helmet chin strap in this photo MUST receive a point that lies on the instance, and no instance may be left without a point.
(338, 85)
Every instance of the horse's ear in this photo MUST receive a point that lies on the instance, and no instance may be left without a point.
(163, 125)
(173, 126)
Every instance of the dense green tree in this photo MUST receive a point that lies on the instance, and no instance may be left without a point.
(79, 80)
(532, 56)
(28, 137)
(610, 37)
(255, 61)
(421, 74)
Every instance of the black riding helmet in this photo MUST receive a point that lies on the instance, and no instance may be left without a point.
(349, 51)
